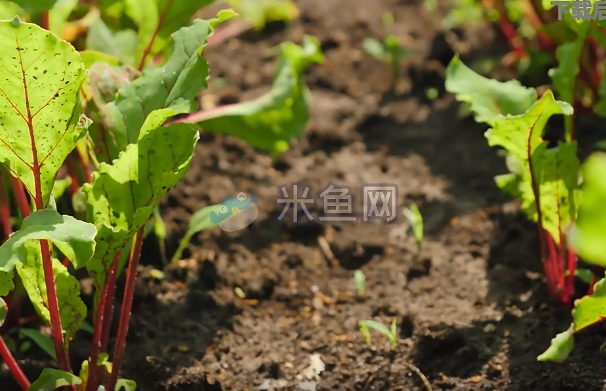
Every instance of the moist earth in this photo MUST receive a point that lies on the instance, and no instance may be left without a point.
(274, 307)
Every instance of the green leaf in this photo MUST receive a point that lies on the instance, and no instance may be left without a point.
(588, 238)
(30, 6)
(126, 385)
(274, 120)
(158, 19)
(84, 326)
(60, 186)
(260, 12)
(584, 275)
(374, 325)
(123, 196)
(488, 98)
(52, 379)
(555, 170)
(375, 48)
(104, 81)
(360, 280)
(416, 221)
(72, 309)
(59, 14)
(89, 57)
(590, 309)
(39, 104)
(74, 238)
(173, 86)
(3, 311)
(160, 232)
(200, 221)
(565, 75)
(9, 9)
(560, 347)
(43, 341)
(119, 44)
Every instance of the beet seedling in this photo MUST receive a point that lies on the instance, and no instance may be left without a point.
(199, 221)
(413, 215)
(544, 178)
(141, 140)
(390, 50)
(360, 280)
(390, 333)
(588, 238)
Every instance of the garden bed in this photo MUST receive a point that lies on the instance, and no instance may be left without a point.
(472, 307)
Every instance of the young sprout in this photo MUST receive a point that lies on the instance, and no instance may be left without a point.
(200, 221)
(390, 51)
(416, 222)
(160, 232)
(360, 279)
(392, 334)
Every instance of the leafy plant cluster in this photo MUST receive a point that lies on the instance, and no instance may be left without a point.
(564, 197)
(105, 92)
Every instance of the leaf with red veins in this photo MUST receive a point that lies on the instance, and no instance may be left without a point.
(39, 104)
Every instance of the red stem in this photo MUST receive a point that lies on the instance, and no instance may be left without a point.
(53, 307)
(20, 196)
(109, 303)
(73, 187)
(102, 321)
(45, 21)
(570, 277)
(5, 209)
(150, 44)
(47, 265)
(13, 366)
(127, 304)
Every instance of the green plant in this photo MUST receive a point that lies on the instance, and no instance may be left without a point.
(199, 221)
(544, 177)
(413, 215)
(48, 102)
(390, 50)
(360, 280)
(390, 333)
(588, 237)
(539, 39)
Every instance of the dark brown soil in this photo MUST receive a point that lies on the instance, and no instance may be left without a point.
(471, 307)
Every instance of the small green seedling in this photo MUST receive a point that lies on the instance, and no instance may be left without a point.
(416, 223)
(360, 279)
(200, 221)
(392, 334)
(390, 50)
(160, 232)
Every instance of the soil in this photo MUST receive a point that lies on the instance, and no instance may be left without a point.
(471, 306)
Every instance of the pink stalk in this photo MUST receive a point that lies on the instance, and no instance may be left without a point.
(47, 265)
(13, 366)
(102, 321)
(20, 196)
(127, 304)
(5, 210)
